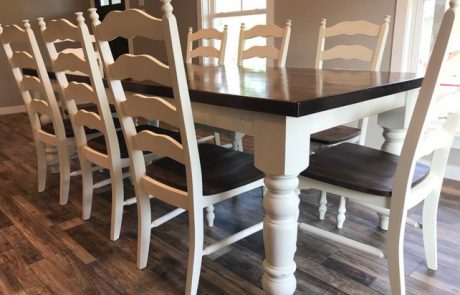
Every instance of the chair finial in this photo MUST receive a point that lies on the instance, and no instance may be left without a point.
(387, 18)
(80, 18)
(1, 29)
(288, 23)
(323, 22)
(94, 16)
(166, 8)
(41, 24)
(243, 26)
(225, 27)
(454, 3)
(26, 24)
(190, 29)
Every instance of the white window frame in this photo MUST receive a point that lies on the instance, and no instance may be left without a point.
(204, 18)
(406, 34)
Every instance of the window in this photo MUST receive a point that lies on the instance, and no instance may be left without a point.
(217, 13)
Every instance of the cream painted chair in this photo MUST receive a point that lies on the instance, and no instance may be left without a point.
(57, 134)
(394, 183)
(269, 52)
(209, 50)
(190, 176)
(371, 56)
(93, 113)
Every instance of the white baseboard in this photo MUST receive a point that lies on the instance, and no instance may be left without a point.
(453, 172)
(12, 110)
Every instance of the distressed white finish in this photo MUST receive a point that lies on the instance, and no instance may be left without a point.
(45, 103)
(421, 140)
(268, 51)
(136, 22)
(68, 61)
(359, 52)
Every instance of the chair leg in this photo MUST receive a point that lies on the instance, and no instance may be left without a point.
(144, 221)
(195, 254)
(41, 165)
(210, 215)
(87, 188)
(430, 213)
(396, 254)
(383, 221)
(341, 212)
(217, 138)
(64, 165)
(237, 141)
(117, 203)
(322, 205)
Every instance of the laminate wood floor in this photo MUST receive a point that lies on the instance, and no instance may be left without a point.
(46, 248)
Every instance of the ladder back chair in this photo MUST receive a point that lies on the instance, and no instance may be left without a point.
(203, 50)
(190, 176)
(208, 50)
(57, 133)
(373, 57)
(268, 51)
(398, 183)
(89, 109)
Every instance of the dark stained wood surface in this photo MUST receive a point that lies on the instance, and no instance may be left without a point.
(291, 92)
(359, 168)
(46, 248)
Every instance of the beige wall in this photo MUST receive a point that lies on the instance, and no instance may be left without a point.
(185, 12)
(306, 17)
(13, 12)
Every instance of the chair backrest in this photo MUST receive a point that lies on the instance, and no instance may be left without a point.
(435, 103)
(176, 112)
(203, 50)
(267, 51)
(67, 58)
(22, 51)
(357, 51)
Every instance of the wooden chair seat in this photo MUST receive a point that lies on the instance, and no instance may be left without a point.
(49, 128)
(238, 170)
(335, 135)
(359, 168)
(99, 144)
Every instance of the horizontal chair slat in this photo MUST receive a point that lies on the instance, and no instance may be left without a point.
(348, 52)
(159, 144)
(140, 68)
(261, 51)
(350, 27)
(205, 51)
(209, 33)
(114, 25)
(150, 108)
(14, 33)
(31, 83)
(80, 91)
(264, 31)
(23, 59)
(60, 30)
(40, 107)
(69, 61)
(90, 120)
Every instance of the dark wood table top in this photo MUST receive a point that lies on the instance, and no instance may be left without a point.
(291, 92)
(294, 92)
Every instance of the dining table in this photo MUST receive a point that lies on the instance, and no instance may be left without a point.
(281, 108)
